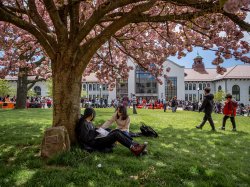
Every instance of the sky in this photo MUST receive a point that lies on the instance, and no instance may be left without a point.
(209, 56)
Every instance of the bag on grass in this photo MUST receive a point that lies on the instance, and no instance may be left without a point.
(148, 131)
(55, 141)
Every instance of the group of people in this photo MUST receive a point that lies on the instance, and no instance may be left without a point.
(88, 136)
(229, 110)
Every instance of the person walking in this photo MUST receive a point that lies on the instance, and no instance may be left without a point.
(164, 104)
(174, 104)
(134, 104)
(207, 106)
(229, 111)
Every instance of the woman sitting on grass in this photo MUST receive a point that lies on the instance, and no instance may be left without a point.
(121, 119)
(87, 136)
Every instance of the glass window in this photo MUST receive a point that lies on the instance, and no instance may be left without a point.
(94, 87)
(208, 85)
(84, 87)
(201, 95)
(186, 97)
(145, 82)
(190, 86)
(170, 87)
(204, 86)
(190, 97)
(194, 97)
(194, 86)
(186, 86)
(236, 92)
(121, 88)
(98, 87)
(200, 86)
(249, 93)
(90, 96)
(104, 87)
(219, 88)
(37, 90)
(90, 87)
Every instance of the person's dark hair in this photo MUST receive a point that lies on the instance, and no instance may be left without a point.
(229, 96)
(89, 112)
(207, 90)
(123, 110)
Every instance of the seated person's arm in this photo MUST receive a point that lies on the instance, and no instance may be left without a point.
(109, 122)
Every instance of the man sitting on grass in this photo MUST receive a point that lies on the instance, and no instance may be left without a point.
(88, 136)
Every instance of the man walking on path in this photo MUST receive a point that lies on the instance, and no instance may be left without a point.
(207, 106)
(134, 104)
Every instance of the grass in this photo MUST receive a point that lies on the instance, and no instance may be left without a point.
(181, 156)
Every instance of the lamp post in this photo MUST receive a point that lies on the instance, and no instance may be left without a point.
(100, 91)
(198, 89)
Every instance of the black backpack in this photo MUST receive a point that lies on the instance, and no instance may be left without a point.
(148, 131)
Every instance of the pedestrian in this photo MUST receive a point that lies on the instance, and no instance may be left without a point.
(164, 104)
(174, 104)
(134, 104)
(229, 111)
(207, 106)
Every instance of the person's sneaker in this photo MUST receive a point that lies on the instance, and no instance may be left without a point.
(138, 149)
(222, 128)
(234, 130)
(198, 127)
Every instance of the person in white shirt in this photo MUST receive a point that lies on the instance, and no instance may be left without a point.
(121, 119)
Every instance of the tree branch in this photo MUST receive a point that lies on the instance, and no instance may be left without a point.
(242, 24)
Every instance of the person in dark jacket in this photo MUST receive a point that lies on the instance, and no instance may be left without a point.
(207, 106)
(87, 136)
(174, 104)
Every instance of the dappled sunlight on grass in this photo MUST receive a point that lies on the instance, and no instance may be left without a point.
(181, 156)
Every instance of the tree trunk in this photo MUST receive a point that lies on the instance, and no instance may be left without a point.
(22, 90)
(66, 96)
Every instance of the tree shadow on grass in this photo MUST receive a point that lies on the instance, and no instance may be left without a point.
(179, 157)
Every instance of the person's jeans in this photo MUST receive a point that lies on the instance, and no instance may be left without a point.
(208, 118)
(232, 120)
(134, 109)
(164, 107)
(111, 138)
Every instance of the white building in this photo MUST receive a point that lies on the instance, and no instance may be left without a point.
(182, 82)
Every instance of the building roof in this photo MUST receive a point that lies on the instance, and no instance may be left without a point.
(235, 72)
(207, 75)
(90, 78)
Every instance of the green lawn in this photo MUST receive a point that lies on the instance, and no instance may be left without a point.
(181, 156)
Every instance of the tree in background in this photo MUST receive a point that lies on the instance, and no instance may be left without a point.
(100, 35)
(24, 58)
(5, 88)
(219, 96)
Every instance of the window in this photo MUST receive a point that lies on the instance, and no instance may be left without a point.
(186, 86)
(90, 87)
(37, 90)
(94, 87)
(104, 87)
(84, 87)
(194, 86)
(194, 97)
(98, 87)
(249, 93)
(90, 96)
(219, 88)
(190, 86)
(208, 85)
(200, 86)
(190, 97)
(121, 88)
(170, 87)
(236, 92)
(186, 97)
(201, 97)
(204, 86)
(145, 82)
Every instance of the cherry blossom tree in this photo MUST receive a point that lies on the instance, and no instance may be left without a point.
(22, 57)
(100, 35)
